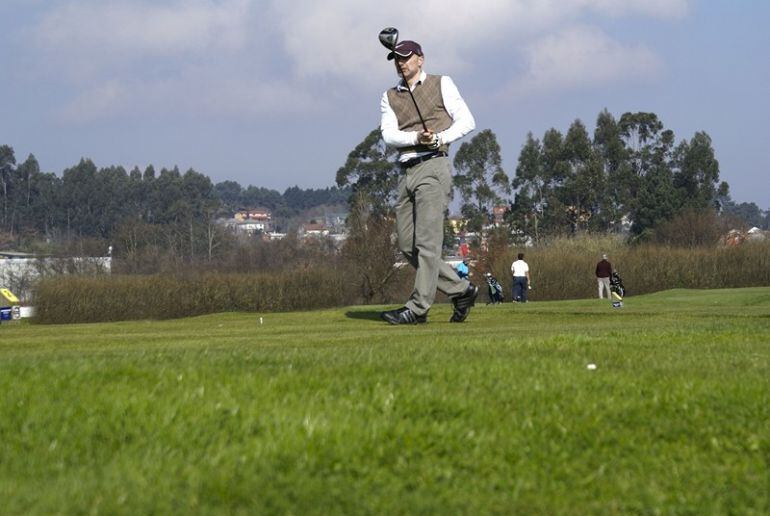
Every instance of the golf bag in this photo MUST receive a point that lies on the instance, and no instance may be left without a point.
(618, 291)
(495, 290)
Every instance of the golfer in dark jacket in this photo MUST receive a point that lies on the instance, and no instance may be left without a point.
(603, 273)
(426, 180)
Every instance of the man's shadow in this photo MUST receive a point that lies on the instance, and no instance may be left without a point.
(368, 315)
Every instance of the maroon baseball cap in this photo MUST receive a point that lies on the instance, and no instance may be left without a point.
(405, 49)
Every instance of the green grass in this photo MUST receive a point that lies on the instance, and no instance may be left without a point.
(336, 412)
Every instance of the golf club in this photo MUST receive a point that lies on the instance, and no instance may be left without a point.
(389, 39)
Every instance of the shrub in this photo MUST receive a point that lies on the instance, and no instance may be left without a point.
(564, 268)
(692, 228)
(66, 299)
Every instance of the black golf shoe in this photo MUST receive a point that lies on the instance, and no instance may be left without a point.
(463, 303)
(403, 315)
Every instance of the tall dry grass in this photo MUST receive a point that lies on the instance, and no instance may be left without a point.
(66, 299)
(564, 269)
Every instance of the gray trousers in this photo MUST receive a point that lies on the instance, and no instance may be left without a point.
(423, 197)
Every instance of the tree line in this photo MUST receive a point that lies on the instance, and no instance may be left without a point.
(630, 175)
(111, 203)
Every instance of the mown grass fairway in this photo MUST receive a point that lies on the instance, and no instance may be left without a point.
(336, 412)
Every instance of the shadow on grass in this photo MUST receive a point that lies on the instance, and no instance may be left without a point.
(367, 315)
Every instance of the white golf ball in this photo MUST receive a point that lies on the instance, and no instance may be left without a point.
(591, 366)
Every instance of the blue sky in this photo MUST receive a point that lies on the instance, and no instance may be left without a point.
(275, 93)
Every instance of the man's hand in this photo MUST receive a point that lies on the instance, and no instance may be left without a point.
(430, 139)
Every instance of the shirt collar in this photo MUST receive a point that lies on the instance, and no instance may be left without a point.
(402, 85)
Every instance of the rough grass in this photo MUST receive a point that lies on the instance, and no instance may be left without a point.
(66, 299)
(336, 412)
(565, 268)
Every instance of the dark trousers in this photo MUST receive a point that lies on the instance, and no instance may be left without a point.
(520, 289)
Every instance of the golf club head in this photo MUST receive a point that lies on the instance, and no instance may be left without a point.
(389, 37)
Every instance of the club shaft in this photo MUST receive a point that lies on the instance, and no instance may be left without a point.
(389, 39)
(414, 101)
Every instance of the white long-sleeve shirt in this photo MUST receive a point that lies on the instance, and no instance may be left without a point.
(462, 119)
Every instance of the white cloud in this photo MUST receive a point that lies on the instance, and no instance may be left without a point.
(106, 99)
(192, 96)
(338, 37)
(664, 9)
(138, 28)
(218, 53)
(582, 56)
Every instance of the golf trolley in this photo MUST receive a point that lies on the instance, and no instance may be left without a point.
(495, 290)
(617, 290)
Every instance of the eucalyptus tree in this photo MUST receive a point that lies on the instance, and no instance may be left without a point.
(555, 171)
(640, 132)
(136, 194)
(165, 197)
(198, 192)
(7, 167)
(657, 200)
(80, 199)
(20, 217)
(615, 201)
(113, 187)
(696, 172)
(372, 172)
(45, 203)
(480, 179)
(638, 129)
(532, 189)
(261, 197)
(229, 193)
(583, 185)
(748, 212)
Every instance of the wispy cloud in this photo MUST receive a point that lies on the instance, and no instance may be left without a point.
(134, 29)
(337, 36)
(197, 95)
(663, 9)
(126, 56)
(579, 57)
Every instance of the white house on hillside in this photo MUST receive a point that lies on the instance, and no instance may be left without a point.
(250, 222)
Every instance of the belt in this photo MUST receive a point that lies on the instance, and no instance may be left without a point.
(416, 161)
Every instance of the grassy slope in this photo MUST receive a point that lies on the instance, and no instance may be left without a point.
(334, 411)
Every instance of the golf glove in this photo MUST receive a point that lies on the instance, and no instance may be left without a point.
(436, 143)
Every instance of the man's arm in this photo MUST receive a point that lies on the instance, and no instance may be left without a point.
(462, 118)
(391, 134)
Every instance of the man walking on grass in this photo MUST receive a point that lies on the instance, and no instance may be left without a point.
(521, 279)
(426, 180)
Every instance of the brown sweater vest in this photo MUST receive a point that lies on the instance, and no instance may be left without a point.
(428, 97)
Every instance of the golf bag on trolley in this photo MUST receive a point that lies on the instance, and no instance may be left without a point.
(617, 290)
(495, 290)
